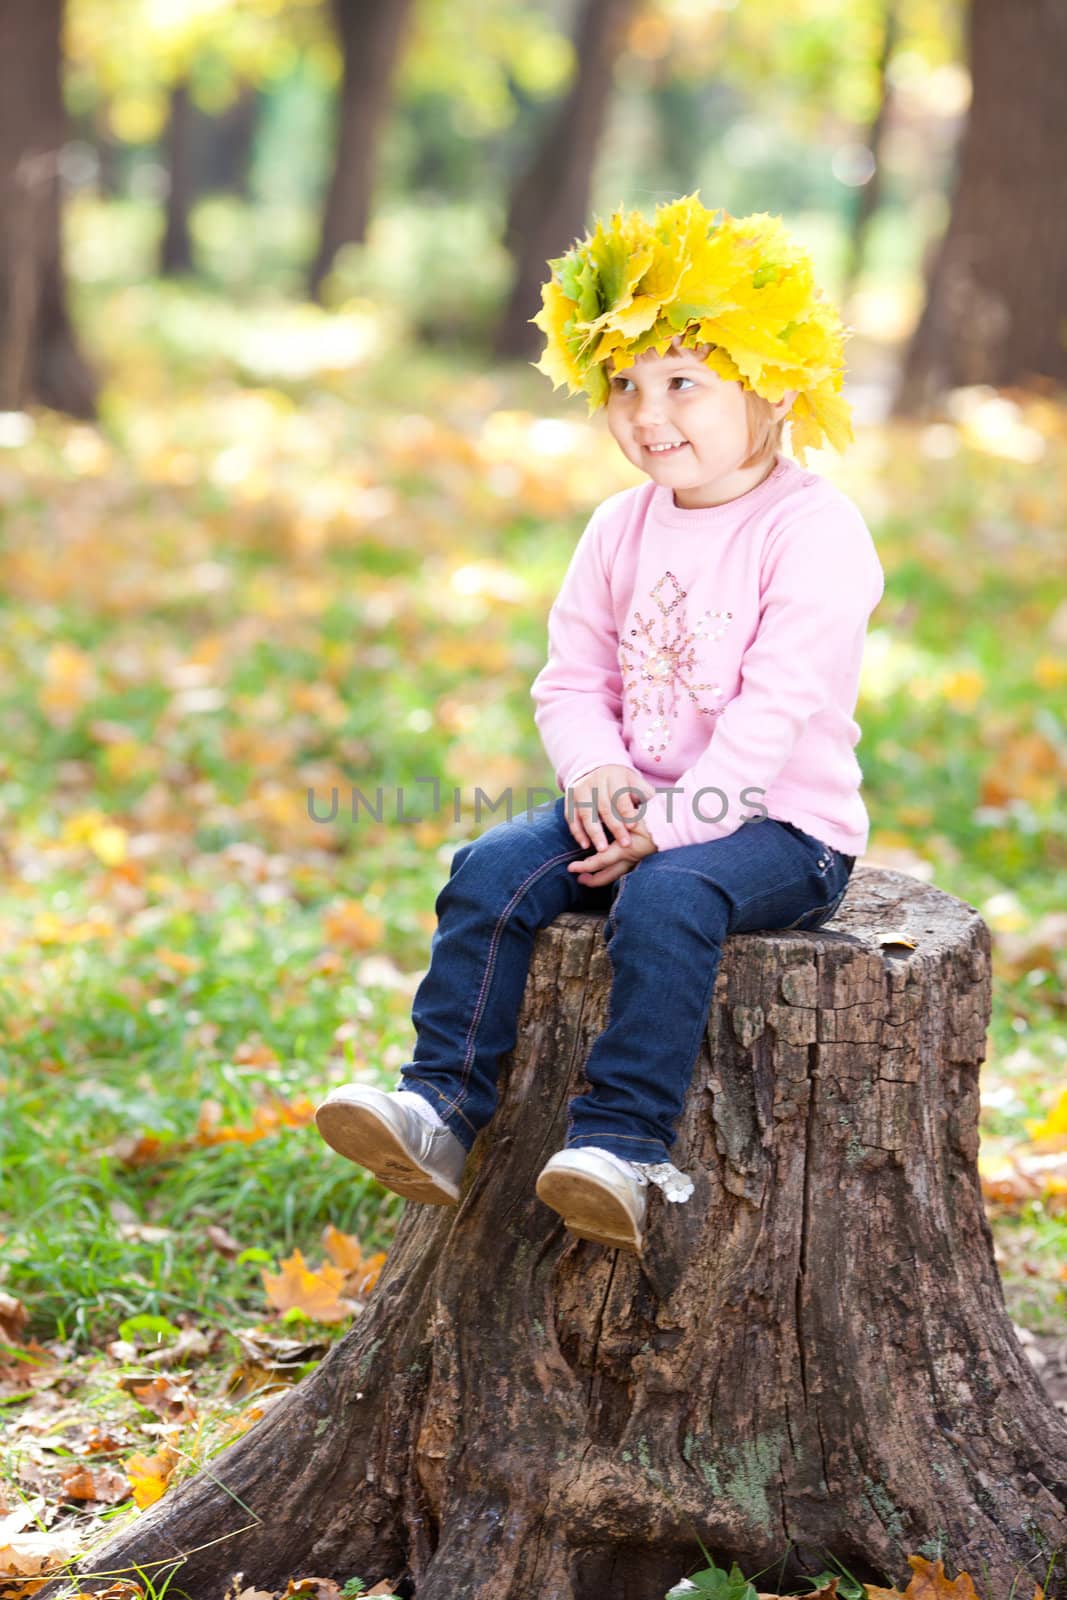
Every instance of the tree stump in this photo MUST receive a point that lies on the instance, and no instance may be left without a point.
(812, 1358)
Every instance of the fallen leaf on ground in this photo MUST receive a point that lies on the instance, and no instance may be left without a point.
(317, 1293)
(266, 1119)
(27, 1555)
(350, 925)
(189, 1344)
(224, 1242)
(105, 1485)
(237, 1591)
(149, 1475)
(170, 1400)
(346, 1252)
(13, 1317)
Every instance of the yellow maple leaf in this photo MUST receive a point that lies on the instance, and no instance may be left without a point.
(149, 1475)
(344, 1249)
(314, 1291)
(346, 1252)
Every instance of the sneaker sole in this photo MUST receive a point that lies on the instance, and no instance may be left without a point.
(360, 1135)
(589, 1209)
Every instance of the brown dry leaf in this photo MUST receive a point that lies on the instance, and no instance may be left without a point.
(139, 1149)
(223, 1242)
(189, 1345)
(123, 1589)
(13, 1318)
(313, 1589)
(149, 1475)
(171, 1401)
(349, 925)
(1028, 1175)
(317, 1293)
(26, 1554)
(98, 1442)
(106, 1485)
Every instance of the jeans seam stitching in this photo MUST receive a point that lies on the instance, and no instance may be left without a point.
(447, 1105)
(490, 964)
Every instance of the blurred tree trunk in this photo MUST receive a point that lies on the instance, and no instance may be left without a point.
(549, 203)
(108, 149)
(997, 291)
(39, 355)
(176, 252)
(869, 194)
(370, 34)
(204, 154)
(222, 146)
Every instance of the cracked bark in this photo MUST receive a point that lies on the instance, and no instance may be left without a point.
(812, 1358)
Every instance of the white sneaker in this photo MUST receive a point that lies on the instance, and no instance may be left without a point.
(596, 1198)
(404, 1150)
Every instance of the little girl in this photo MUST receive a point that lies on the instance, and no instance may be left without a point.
(696, 705)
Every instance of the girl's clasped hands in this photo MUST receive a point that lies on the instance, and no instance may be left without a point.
(589, 815)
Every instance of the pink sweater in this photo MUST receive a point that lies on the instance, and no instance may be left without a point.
(718, 649)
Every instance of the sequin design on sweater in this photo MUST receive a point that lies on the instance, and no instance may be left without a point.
(658, 658)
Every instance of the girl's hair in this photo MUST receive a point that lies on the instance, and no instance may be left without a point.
(764, 429)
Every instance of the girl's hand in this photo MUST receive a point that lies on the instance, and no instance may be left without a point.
(615, 859)
(589, 812)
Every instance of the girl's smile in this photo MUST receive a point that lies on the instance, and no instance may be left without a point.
(675, 415)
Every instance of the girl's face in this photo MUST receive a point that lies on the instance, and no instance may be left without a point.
(678, 401)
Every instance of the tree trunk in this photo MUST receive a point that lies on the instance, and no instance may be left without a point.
(39, 356)
(994, 311)
(109, 155)
(176, 251)
(869, 194)
(550, 202)
(811, 1358)
(370, 33)
(223, 144)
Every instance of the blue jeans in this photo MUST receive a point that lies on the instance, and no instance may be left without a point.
(667, 920)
